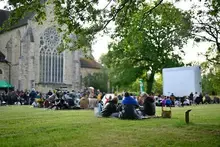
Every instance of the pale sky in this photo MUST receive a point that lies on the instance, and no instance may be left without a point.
(100, 46)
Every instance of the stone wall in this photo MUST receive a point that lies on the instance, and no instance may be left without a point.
(12, 35)
(22, 48)
(10, 46)
(44, 88)
(68, 70)
(76, 71)
(38, 30)
(5, 71)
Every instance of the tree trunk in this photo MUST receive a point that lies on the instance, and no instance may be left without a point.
(150, 82)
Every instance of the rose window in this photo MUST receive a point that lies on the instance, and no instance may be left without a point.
(51, 37)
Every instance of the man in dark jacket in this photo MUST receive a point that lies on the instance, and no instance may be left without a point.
(110, 108)
(191, 98)
(128, 108)
(32, 96)
(199, 99)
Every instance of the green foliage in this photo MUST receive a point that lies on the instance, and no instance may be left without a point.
(215, 7)
(208, 22)
(81, 17)
(211, 78)
(135, 86)
(85, 18)
(142, 50)
(158, 86)
(213, 55)
(97, 80)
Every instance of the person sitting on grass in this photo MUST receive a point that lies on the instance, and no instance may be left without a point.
(149, 106)
(84, 102)
(120, 98)
(110, 107)
(182, 99)
(207, 99)
(168, 102)
(128, 108)
(177, 103)
(49, 93)
(108, 99)
(163, 102)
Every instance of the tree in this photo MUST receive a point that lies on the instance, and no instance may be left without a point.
(210, 78)
(97, 80)
(82, 17)
(158, 86)
(207, 28)
(142, 50)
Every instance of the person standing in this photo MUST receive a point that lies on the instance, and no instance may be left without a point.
(191, 98)
(32, 96)
(201, 97)
(172, 98)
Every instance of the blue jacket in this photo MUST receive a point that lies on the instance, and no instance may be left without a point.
(129, 101)
(168, 102)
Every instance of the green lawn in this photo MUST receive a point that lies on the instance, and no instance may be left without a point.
(24, 126)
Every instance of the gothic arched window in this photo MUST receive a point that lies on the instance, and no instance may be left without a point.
(51, 62)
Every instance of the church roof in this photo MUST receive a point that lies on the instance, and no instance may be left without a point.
(89, 63)
(4, 15)
(2, 57)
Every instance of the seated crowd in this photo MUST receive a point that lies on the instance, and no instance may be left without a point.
(144, 105)
(129, 108)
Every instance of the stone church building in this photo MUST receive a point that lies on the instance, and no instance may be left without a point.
(29, 57)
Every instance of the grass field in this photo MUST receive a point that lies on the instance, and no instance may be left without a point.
(24, 126)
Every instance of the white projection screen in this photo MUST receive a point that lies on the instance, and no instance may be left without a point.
(181, 81)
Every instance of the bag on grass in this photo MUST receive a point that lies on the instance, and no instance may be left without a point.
(166, 113)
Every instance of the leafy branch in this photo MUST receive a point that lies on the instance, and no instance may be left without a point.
(116, 13)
